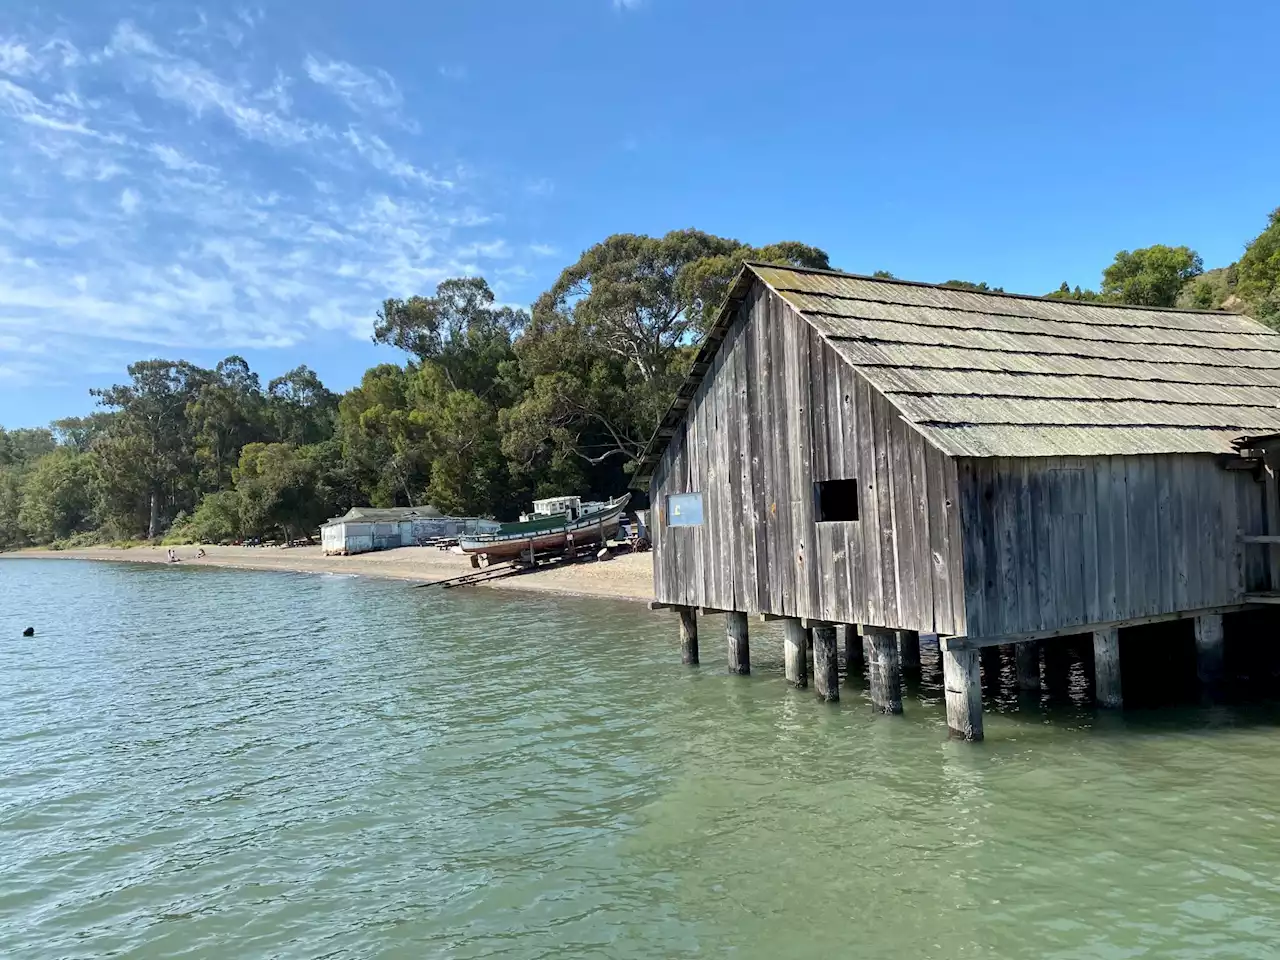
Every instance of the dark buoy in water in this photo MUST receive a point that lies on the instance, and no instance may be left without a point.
(29, 632)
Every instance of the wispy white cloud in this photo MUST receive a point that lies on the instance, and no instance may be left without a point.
(363, 92)
(186, 83)
(168, 195)
(15, 59)
(381, 157)
(453, 71)
(627, 4)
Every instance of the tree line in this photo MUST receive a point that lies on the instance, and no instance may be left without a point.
(494, 406)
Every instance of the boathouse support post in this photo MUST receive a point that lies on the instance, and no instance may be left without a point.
(854, 661)
(826, 664)
(795, 652)
(909, 652)
(962, 681)
(886, 669)
(1027, 657)
(1210, 649)
(739, 648)
(688, 635)
(1106, 667)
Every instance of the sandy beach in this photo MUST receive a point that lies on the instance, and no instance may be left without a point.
(626, 576)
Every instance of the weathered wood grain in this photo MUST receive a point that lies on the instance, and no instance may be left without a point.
(963, 691)
(826, 664)
(1106, 668)
(688, 635)
(885, 671)
(795, 652)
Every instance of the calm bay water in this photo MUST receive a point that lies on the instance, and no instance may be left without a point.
(197, 762)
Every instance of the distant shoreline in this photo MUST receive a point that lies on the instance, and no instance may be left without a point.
(625, 577)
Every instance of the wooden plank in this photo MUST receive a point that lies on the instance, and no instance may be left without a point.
(754, 511)
(766, 443)
(1233, 548)
(1048, 551)
(1252, 601)
(886, 535)
(856, 567)
(1120, 535)
(922, 550)
(869, 526)
(1028, 584)
(955, 541)
(939, 568)
(906, 524)
(974, 563)
(734, 472)
(1089, 545)
(1170, 575)
(808, 560)
(1150, 564)
(1104, 523)
(1009, 561)
(783, 557)
(1201, 546)
(1261, 538)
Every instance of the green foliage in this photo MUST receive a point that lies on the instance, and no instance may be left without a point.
(1151, 276)
(1065, 292)
(975, 287)
(276, 486)
(1259, 272)
(216, 520)
(884, 275)
(55, 496)
(12, 533)
(21, 447)
(459, 330)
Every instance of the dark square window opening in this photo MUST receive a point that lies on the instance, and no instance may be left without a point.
(836, 501)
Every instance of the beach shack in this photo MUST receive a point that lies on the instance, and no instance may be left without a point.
(362, 529)
(898, 459)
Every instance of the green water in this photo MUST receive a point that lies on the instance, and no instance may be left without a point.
(209, 763)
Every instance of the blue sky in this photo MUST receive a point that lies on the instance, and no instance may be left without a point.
(190, 181)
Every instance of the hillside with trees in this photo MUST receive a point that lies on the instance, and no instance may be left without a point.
(490, 407)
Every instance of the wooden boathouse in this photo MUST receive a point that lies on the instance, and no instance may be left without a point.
(900, 459)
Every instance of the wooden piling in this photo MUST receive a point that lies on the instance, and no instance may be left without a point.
(1106, 667)
(886, 669)
(739, 648)
(854, 661)
(909, 652)
(826, 665)
(1027, 657)
(795, 652)
(1210, 649)
(963, 685)
(688, 635)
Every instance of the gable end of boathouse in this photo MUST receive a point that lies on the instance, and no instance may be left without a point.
(900, 456)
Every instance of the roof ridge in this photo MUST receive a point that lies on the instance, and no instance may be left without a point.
(988, 293)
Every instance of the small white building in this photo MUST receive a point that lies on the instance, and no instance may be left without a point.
(362, 529)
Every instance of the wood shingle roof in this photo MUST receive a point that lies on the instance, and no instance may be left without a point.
(987, 375)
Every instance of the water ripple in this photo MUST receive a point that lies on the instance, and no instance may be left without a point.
(210, 763)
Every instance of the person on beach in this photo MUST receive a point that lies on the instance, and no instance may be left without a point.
(200, 554)
(173, 557)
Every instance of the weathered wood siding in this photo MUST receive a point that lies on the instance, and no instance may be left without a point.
(779, 410)
(1059, 541)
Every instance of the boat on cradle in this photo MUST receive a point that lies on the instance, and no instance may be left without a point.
(575, 527)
